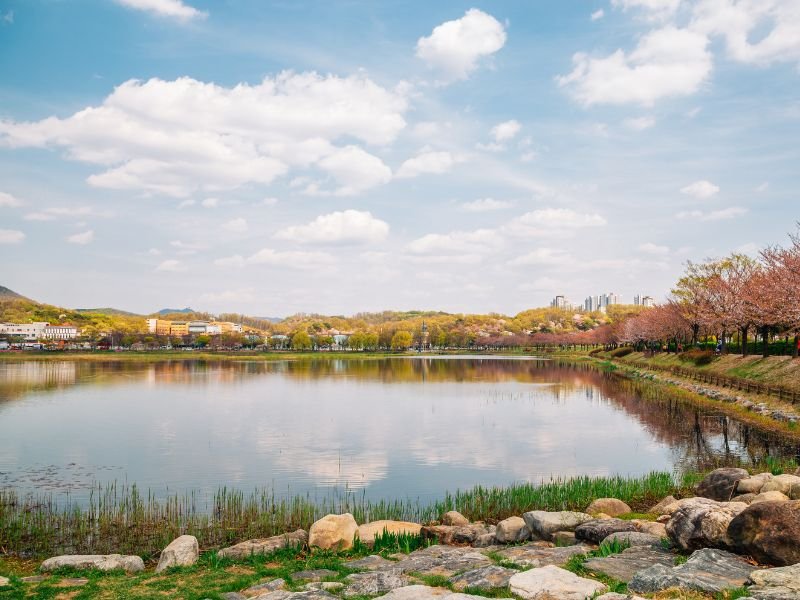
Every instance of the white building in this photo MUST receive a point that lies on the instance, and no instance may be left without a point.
(60, 332)
(30, 332)
(196, 327)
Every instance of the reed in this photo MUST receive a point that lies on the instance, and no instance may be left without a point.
(121, 518)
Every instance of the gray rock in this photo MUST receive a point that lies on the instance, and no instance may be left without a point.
(454, 519)
(633, 538)
(265, 545)
(264, 587)
(304, 595)
(370, 563)
(102, 562)
(419, 592)
(553, 582)
(659, 509)
(183, 551)
(598, 529)
(376, 582)
(485, 578)
(452, 534)
(616, 596)
(326, 586)
(485, 541)
(233, 596)
(313, 575)
(772, 593)
(33, 579)
(720, 483)
(564, 538)
(776, 584)
(543, 524)
(73, 581)
(512, 530)
(624, 565)
(703, 523)
(536, 555)
(442, 560)
(708, 570)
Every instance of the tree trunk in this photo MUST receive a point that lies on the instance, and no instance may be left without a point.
(695, 333)
(723, 345)
(744, 339)
(765, 339)
(794, 346)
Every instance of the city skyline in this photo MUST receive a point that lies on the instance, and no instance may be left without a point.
(462, 157)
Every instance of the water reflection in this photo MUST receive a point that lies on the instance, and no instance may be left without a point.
(399, 427)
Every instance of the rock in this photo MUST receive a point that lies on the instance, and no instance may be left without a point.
(616, 596)
(263, 546)
(313, 575)
(451, 534)
(720, 484)
(744, 498)
(378, 582)
(485, 540)
(325, 586)
(778, 583)
(651, 527)
(535, 555)
(454, 519)
(781, 483)
(370, 563)
(183, 551)
(598, 529)
(418, 592)
(752, 485)
(485, 578)
(702, 523)
(769, 532)
(368, 531)
(794, 492)
(659, 509)
(624, 565)
(773, 496)
(553, 582)
(233, 596)
(333, 532)
(633, 538)
(511, 530)
(73, 581)
(564, 538)
(33, 579)
(543, 524)
(442, 560)
(4, 581)
(264, 587)
(610, 506)
(315, 593)
(708, 570)
(102, 562)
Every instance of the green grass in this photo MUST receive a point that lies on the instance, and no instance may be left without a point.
(575, 564)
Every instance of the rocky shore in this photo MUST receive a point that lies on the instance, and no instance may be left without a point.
(740, 532)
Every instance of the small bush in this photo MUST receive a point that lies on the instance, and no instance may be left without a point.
(620, 352)
(697, 356)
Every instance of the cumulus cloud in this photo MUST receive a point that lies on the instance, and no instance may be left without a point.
(486, 205)
(553, 221)
(507, 130)
(427, 161)
(651, 248)
(57, 212)
(7, 200)
(238, 225)
(702, 190)
(598, 14)
(174, 9)
(478, 241)
(287, 259)
(650, 9)
(455, 48)
(185, 136)
(210, 203)
(639, 123)
(81, 239)
(714, 215)
(171, 265)
(667, 62)
(341, 227)
(543, 256)
(11, 236)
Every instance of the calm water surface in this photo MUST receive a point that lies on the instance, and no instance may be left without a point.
(390, 427)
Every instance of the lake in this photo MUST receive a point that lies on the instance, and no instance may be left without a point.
(405, 427)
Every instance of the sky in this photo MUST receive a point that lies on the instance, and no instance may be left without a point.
(275, 157)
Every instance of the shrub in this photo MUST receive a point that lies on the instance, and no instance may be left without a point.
(620, 352)
(697, 356)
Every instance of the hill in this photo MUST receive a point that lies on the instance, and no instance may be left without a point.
(107, 311)
(170, 311)
(8, 294)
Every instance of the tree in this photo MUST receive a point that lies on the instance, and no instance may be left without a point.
(402, 340)
(301, 341)
(203, 340)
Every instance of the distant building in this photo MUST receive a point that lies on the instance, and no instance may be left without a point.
(30, 332)
(559, 302)
(60, 332)
(179, 328)
(646, 301)
(165, 327)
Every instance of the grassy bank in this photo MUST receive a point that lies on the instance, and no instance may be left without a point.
(121, 519)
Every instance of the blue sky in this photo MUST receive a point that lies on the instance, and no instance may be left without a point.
(276, 157)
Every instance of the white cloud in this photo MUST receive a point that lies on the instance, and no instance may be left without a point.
(598, 14)
(507, 130)
(268, 201)
(288, 259)
(171, 265)
(174, 9)
(640, 123)
(478, 241)
(185, 136)
(454, 48)
(7, 200)
(762, 187)
(210, 203)
(426, 162)
(56, 212)
(82, 239)
(238, 225)
(666, 62)
(154, 252)
(11, 236)
(341, 227)
(186, 203)
(356, 169)
(553, 221)
(651, 248)
(540, 284)
(714, 215)
(702, 190)
(486, 205)
(543, 256)
(652, 9)
(227, 296)
(8, 17)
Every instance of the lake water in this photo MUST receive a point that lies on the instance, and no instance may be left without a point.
(388, 427)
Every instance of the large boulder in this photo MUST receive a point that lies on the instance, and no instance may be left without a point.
(651, 527)
(720, 483)
(624, 565)
(769, 532)
(101, 562)
(659, 509)
(261, 546)
(333, 532)
(609, 506)
(781, 483)
(454, 519)
(708, 570)
(452, 534)
(703, 523)
(778, 583)
(442, 560)
(376, 582)
(484, 578)
(632, 538)
(597, 530)
(369, 531)
(540, 554)
(183, 551)
(512, 529)
(752, 485)
(544, 524)
(773, 496)
(553, 582)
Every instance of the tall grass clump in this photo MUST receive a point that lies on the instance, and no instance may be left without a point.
(123, 519)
